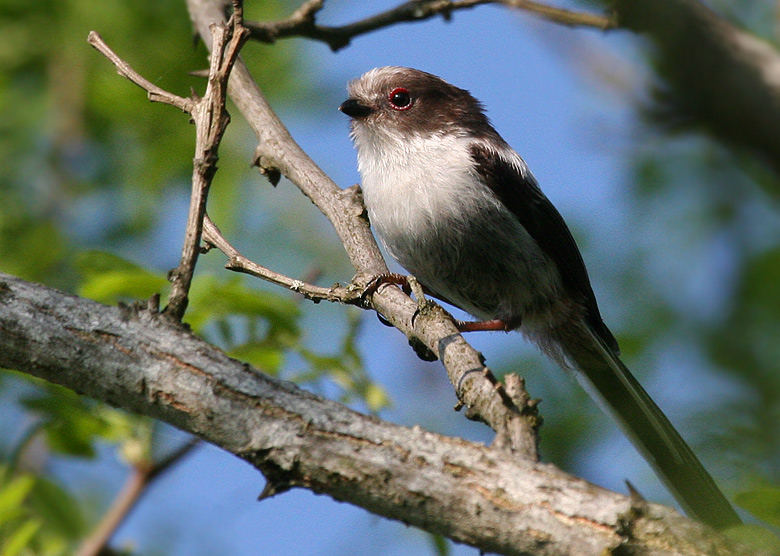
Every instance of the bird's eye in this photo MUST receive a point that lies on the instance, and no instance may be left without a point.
(400, 99)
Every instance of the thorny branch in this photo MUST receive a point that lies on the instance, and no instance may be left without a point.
(302, 23)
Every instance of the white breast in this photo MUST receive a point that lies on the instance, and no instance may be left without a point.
(414, 183)
(437, 219)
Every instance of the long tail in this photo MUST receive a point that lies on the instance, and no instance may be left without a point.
(646, 426)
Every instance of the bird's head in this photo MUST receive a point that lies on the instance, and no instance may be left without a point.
(397, 102)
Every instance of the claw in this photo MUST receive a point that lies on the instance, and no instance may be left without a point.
(386, 278)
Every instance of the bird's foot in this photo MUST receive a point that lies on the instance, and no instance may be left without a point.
(386, 278)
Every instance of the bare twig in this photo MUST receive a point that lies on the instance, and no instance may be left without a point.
(211, 119)
(239, 263)
(141, 476)
(302, 23)
(155, 93)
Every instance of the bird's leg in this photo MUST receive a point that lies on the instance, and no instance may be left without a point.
(485, 325)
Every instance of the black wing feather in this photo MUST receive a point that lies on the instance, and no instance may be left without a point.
(522, 196)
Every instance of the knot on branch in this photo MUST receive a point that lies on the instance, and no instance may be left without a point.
(267, 168)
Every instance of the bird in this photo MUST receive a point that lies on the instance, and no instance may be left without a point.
(460, 210)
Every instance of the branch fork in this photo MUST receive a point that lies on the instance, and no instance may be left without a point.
(211, 119)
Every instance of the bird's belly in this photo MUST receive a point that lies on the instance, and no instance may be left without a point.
(469, 249)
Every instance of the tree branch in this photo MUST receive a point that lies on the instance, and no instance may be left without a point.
(722, 77)
(153, 92)
(212, 236)
(302, 23)
(211, 119)
(478, 495)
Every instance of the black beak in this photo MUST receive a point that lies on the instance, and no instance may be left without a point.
(354, 109)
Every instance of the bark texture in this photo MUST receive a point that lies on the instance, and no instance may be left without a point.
(486, 497)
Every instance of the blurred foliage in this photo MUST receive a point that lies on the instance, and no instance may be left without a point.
(721, 224)
(764, 503)
(759, 16)
(702, 273)
(36, 516)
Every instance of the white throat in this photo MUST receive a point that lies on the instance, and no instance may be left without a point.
(410, 183)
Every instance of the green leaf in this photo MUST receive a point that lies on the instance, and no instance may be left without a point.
(266, 357)
(762, 540)
(108, 278)
(764, 503)
(21, 538)
(13, 495)
(376, 397)
(69, 421)
(440, 546)
(93, 262)
(211, 299)
(57, 508)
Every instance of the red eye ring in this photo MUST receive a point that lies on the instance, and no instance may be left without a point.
(400, 99)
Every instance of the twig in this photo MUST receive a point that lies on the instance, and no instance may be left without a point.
(569, 18)
(211, 119)
(154, 93)
(302, 23)
(137, 483)
(239, 263)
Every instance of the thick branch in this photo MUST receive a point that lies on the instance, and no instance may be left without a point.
(482, 496)
(722, 76)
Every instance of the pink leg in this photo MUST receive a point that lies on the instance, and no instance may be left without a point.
(483, 325)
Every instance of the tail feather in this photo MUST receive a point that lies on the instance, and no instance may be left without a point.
(646, 426)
